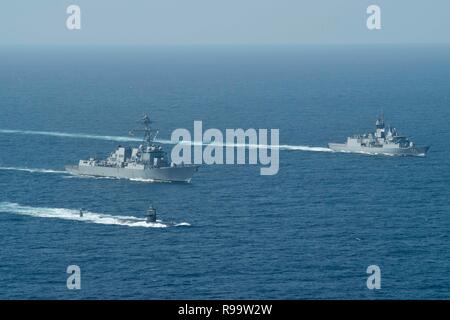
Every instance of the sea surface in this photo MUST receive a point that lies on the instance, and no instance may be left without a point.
(308, 232)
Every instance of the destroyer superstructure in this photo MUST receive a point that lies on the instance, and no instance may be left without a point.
(384, 141)
(146, 162)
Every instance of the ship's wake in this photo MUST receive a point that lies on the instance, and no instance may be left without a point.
(85, 176)
(70, 135)
(88, 216)
(68, 175)
(284, 147)
(34, 170)
(165, 141)
(305, 148)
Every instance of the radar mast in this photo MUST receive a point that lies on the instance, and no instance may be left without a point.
(149, 133)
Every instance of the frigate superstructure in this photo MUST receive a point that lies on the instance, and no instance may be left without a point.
(147, 162)
(384, 141)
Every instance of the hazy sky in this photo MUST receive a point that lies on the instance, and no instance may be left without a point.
(223, 22)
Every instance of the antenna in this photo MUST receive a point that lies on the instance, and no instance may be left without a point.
(149, 134)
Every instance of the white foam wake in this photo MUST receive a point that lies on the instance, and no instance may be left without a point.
(90, 217)
(84, 176)
(305, 148)
(67, 175)
(165, 141)
(32, 170)
(70, 135)
(254, 146)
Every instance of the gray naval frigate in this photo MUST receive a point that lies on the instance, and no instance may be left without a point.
(384, 141)
(146, 162)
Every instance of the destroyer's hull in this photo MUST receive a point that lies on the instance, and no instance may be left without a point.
(169, 174)
(411, 151)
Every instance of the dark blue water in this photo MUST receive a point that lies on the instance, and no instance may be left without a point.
(308, 232)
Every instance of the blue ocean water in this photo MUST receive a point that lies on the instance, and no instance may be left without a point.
(308, 232)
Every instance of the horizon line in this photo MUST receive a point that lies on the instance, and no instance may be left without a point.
(221, 44)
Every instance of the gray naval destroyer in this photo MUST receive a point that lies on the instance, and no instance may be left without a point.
(146, 162)
(384, 141)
